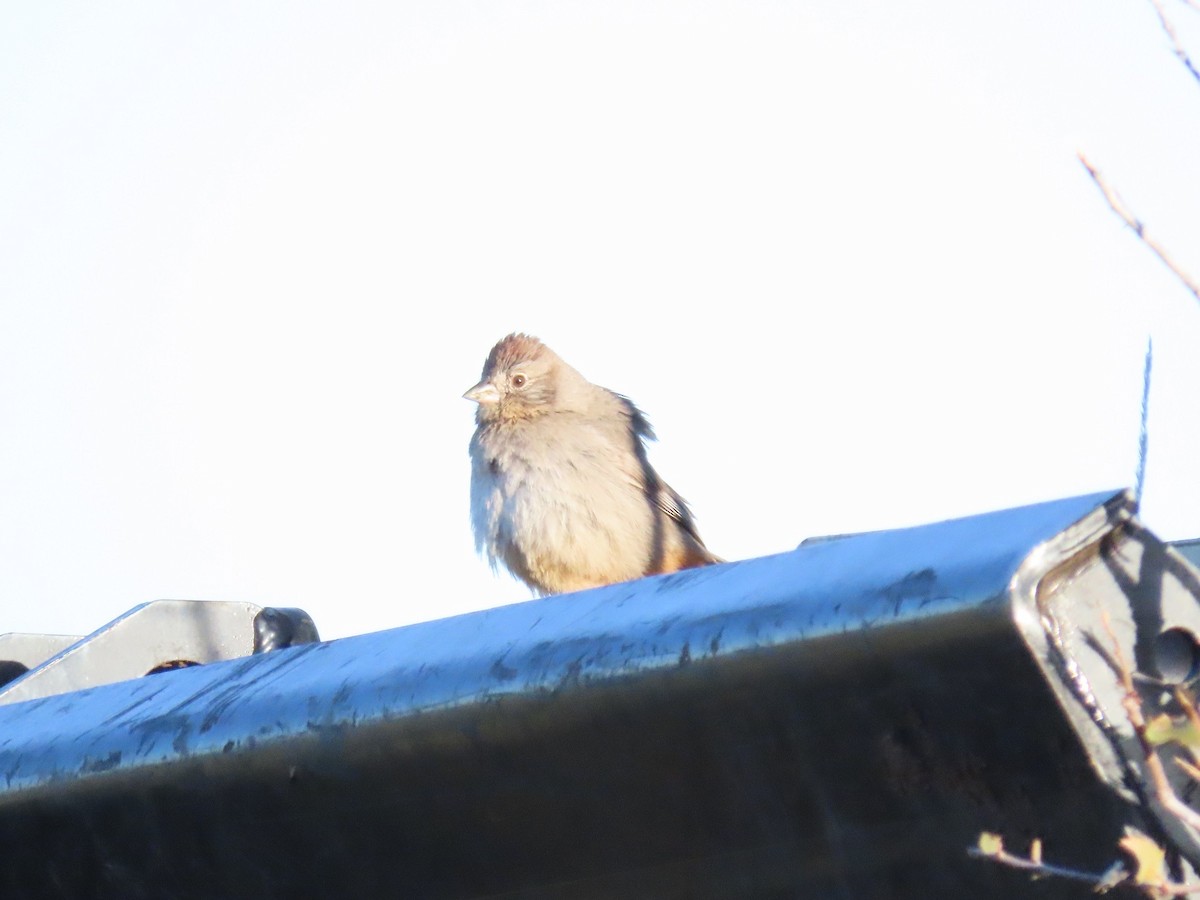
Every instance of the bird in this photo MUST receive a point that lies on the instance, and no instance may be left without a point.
(562, 493)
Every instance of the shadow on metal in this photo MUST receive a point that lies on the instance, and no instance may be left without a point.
(840, 721)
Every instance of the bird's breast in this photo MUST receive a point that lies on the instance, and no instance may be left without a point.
(554, 500)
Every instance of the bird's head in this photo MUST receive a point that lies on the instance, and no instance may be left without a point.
(521, 380)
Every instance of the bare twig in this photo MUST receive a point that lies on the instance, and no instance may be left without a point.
(1191, 770)
(1143, 431)
(1177, 47)
(1171, 889)
(1118, 206)
(1102, 881)
(1036, 866)
(1148, 875)
(1188, 703)
(1132, 704)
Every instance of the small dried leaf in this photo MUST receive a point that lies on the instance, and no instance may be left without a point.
(1149, 858)
(1035, 851)
(990, 844)
(1162, 729)
(1158, 729)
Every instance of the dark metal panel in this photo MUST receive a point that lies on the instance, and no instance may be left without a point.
(839, 721)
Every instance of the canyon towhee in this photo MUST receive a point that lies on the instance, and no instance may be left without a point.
(561, 491)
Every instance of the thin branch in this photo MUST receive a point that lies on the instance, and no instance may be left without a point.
(1188, 703)
(1151, 883)
(1132, 704)
(1102, 881)
(1037, 867)
(1143, 431)
(1191, 770)
(1171, 889)
(1177, 47)
(1118, 206)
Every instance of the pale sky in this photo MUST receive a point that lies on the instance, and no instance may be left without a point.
(842, 255)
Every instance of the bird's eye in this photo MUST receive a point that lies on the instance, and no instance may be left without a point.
(518, 380)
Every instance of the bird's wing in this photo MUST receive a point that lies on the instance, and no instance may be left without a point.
(638, 423)
(665, 497)
(676, 509)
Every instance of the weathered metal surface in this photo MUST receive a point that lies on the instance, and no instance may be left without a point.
(150, 638)
(836, 722)
(20, 652)
(146, 637)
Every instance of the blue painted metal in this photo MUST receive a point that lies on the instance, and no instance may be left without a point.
(1189, 549)
(861, 584)
(839, 720)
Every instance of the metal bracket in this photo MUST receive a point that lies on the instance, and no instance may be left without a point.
(20, 652)
(152, 637)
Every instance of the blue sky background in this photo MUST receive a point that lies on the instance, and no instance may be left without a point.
(843, 255)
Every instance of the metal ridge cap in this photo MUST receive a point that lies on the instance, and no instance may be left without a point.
(1043, 631)
(557, 642)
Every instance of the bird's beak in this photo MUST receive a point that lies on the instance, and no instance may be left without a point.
(484, 393)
